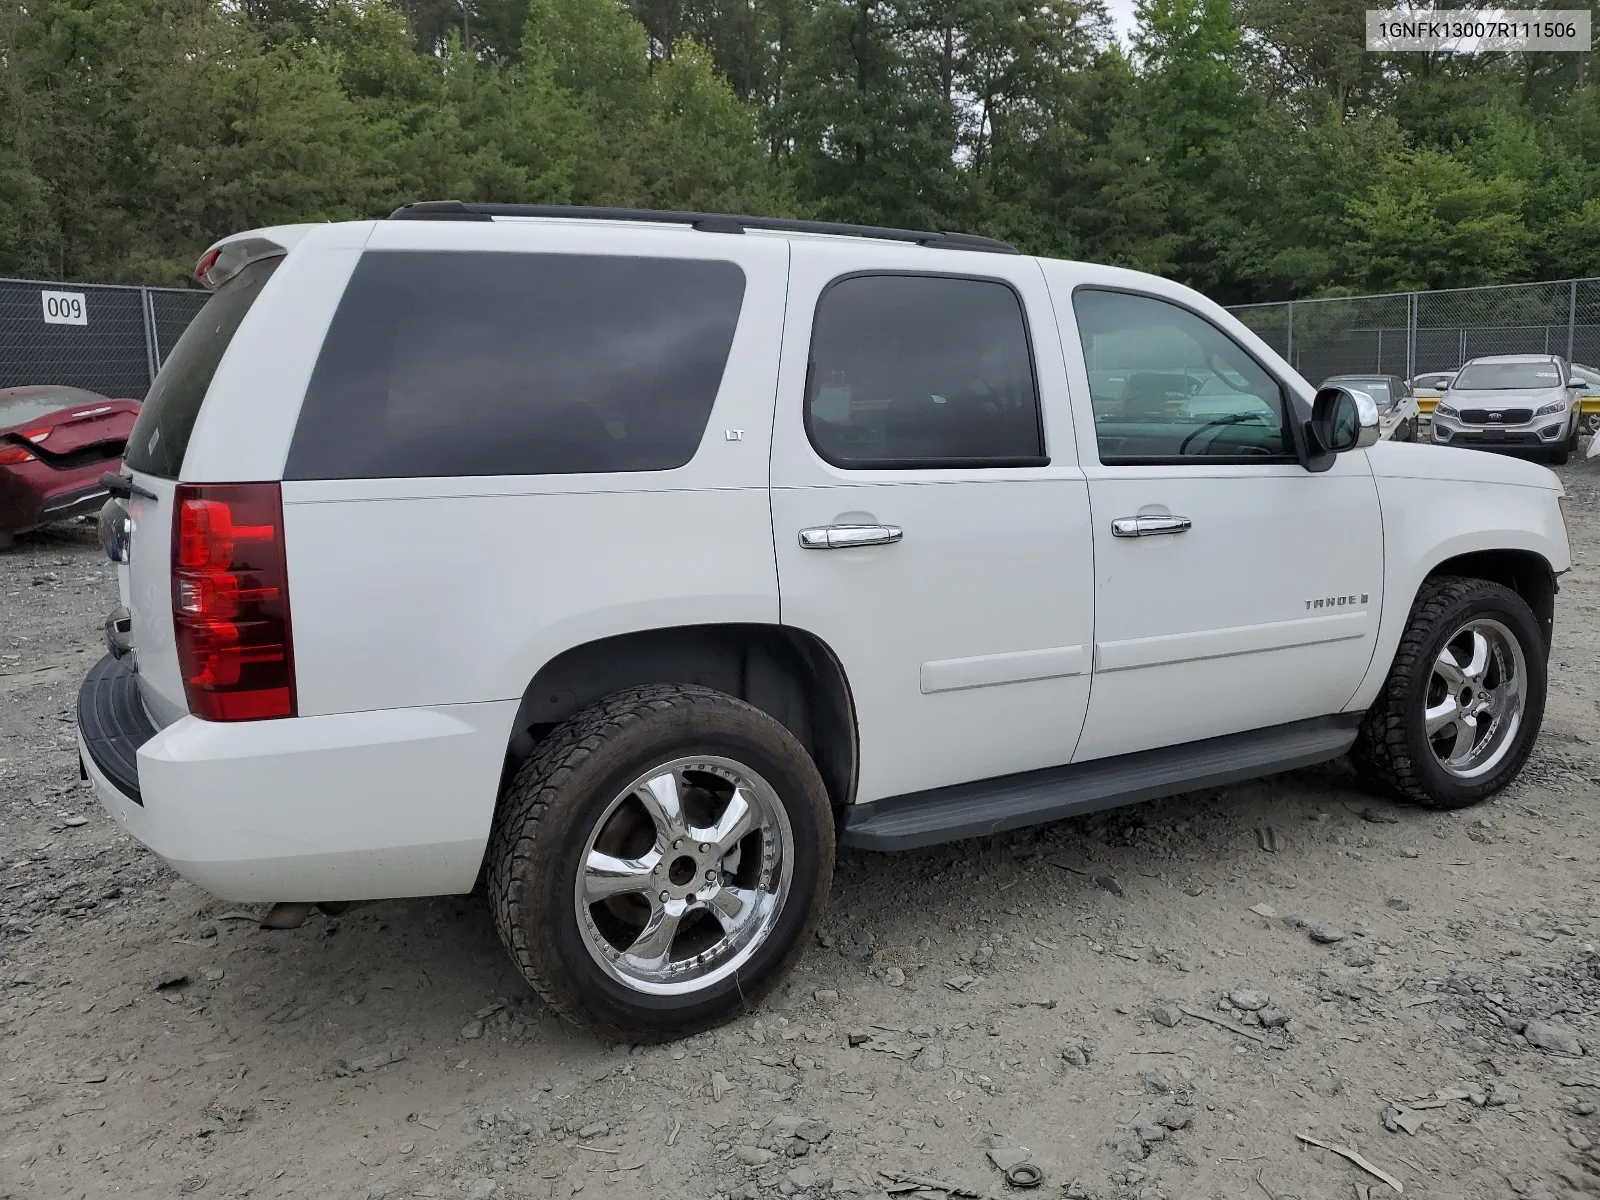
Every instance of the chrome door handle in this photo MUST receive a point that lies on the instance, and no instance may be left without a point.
(837, 537)
(1148, 526)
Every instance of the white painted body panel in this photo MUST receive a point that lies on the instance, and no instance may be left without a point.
(251, 408)
(1007, 630)
(1222, 628)
(349, 807)
(1433, 510)
(965, 644)
(467, 586)
(243, 430)
(149, 599)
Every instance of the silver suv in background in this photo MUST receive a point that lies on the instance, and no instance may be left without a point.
(1512, 402)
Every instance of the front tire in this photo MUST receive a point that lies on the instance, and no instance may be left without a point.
(660, 861)
(1459, 712)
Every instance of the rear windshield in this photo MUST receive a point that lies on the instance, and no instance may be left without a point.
(1378, 389)
(21, 404)
(1502, 377)
(487, 363)
(161, 434)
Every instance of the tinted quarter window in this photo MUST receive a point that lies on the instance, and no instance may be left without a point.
(462, 363)
(1168, 384)
(166, 419)
(916, 371)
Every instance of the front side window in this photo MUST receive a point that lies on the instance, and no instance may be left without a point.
(922, 371)
(443, 363)
(1167, 384)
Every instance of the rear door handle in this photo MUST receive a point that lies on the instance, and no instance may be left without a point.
(838, 537)
(1148, 526)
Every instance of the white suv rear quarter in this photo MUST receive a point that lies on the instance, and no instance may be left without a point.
(1006, 630)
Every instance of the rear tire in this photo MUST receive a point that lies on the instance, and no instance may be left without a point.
(1485, 712)
(7, 540)
(640, 924)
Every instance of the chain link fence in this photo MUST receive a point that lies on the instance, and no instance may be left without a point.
(1412, 333)
(109, 338)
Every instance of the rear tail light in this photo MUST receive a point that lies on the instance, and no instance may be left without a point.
(11, 455)
(230, 601)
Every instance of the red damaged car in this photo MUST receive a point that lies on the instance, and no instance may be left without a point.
(55, 443)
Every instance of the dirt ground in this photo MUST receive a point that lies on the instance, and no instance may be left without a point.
(1056, 995)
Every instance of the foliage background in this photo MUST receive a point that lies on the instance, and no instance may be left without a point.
(1251, 148)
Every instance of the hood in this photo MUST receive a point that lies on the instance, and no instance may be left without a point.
(1504, 397)
(1418, 460)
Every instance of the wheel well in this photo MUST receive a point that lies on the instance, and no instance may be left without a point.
(789, 674)
(1524, 572)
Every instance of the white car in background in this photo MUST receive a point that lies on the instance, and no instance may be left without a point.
(1588, 398)
(1398, 414)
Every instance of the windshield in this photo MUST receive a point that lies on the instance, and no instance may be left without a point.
(21, 404)
(1505, 377)
(1588, 376)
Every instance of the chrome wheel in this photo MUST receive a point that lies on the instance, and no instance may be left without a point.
(684, 875)
(1476, 696)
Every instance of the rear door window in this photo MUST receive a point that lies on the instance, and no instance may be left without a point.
(482, 363)
(161, 434)
(913, 371)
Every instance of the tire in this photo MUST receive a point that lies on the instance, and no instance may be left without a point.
(582, 792)
(1559, 458)
(7, 540)
(1392, 748)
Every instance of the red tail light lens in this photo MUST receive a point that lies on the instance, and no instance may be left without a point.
(10, 456)
(230, 601)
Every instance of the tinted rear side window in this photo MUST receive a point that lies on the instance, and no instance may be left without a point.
(922, 371)
(161, 434)
(472, 363)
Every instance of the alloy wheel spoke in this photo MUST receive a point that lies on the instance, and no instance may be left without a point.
(1466, 737)
(732, 827)
(1448, 669)
(731, 906)
(653, 947)
(660, 798)
(1441, 715)
(1479, 664)
(605, 875)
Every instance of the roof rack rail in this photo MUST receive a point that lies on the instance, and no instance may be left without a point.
(456, 210)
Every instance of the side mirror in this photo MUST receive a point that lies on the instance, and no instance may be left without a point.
(1341, 419)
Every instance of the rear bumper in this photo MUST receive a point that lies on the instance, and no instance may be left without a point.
(34, 493)
(354, 806)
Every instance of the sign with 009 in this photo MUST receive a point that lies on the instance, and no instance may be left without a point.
(64, 308)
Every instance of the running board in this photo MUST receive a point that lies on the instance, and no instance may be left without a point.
(1033, 797)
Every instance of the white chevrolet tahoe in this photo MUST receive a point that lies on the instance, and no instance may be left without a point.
(636, 560)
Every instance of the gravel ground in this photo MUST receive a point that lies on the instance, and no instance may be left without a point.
(1171, 1000)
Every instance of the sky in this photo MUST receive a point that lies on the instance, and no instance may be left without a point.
(1122, 17)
